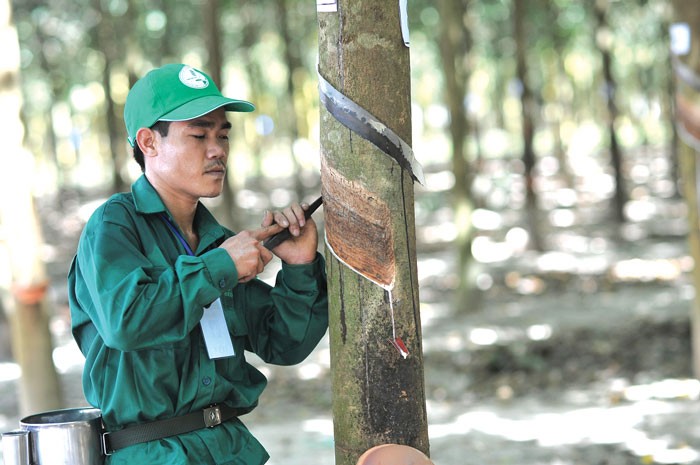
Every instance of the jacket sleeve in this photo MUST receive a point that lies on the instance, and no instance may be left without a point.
(286, 322)
(133, 294)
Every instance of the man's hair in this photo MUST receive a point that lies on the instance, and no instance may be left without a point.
(161, 127)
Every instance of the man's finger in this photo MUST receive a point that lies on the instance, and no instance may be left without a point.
(268, 218)
(299, 212)
(264, 232)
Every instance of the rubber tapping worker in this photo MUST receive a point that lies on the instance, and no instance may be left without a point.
(164, 300)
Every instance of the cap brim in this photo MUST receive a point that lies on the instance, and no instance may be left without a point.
(201, 106)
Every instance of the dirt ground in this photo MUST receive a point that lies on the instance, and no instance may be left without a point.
(575, 366)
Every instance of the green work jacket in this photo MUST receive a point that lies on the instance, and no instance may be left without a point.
(136, 299)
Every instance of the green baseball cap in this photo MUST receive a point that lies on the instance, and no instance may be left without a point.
(174, 92)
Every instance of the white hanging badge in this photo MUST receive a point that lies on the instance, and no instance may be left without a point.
(216, 335)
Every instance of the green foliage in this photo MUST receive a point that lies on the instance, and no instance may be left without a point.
(63, 53)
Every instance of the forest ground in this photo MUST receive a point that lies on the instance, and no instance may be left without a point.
(576, 364)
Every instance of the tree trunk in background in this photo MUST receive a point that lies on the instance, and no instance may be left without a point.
(291, 59)
(667, 107)
(527, 105)
(604, 41)
(455, 42)
(54, 90)
(107, 42)
(554, 92)
(378, 396)
(250, 37)
(687, 72)
(212, 35)
(31, 340)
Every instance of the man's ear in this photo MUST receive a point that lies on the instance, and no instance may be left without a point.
(146, 138)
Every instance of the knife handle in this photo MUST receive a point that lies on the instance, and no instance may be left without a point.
(272, 242)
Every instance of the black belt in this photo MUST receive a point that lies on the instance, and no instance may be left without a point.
(207, 418)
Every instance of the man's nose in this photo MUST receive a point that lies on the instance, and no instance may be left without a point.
(217, 148)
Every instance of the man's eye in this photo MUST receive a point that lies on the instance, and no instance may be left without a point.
(198, 136)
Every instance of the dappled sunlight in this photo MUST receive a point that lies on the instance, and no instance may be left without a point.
(562, 218)
(309, 371)
(483, 336)
(318, 425)
(433, 311)
(432, 266)
(563, 262)
(487, 250)
(68, 358)
(463, 337)
(487, 220)
(318, 365)
(665, 389)
(640, 270)
(553, 424)
(9, 371)
(539, 332)
(473, 338)
(437, 233)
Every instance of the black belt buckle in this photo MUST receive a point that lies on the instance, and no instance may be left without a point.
(212, 416)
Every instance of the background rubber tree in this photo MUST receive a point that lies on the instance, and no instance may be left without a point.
(604, 41)
(39, 388)
(685, 48)
(378, 395)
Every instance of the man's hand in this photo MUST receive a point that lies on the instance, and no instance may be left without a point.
(250, 256)
(247, 252)
(300, 248)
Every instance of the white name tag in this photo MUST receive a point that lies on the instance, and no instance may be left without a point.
(216, 335)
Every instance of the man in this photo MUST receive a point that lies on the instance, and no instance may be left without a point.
(164, 300)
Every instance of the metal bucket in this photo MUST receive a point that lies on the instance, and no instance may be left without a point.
(15, 447)
(65, 437)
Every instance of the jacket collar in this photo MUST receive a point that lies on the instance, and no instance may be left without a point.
(147, 201)
(146, 198)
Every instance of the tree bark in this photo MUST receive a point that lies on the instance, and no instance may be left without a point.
(527, 105)
(455, 42)
(293, 63)
(604, 42)
(39, 388)
(106, 39)
(378, 395)
(211, 14)
(687, 118)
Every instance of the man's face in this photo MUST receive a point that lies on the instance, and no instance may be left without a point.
(191, 160)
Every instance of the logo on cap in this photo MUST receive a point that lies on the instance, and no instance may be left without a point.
(193, 78)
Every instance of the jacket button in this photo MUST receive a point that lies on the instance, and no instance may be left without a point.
(206, 381)
(222, 283)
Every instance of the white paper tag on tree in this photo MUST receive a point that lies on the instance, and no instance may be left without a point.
(216, 335)
(680, 38)
(328, 6)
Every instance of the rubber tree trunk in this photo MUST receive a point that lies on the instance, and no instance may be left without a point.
(686, 61)
(293, 63)
(455, 43)
(106, 39)
(39, 388)
(378, 395)
(604, 42)
(527, 112)
(211, 15)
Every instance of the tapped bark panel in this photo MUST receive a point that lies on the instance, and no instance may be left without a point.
(358, 227)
